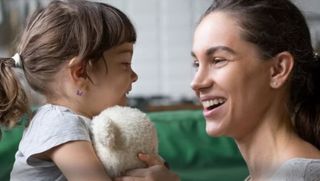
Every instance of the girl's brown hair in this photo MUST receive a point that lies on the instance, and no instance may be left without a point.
(53, 35)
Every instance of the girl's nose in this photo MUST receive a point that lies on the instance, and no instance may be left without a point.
(134, 76)
(201, 80)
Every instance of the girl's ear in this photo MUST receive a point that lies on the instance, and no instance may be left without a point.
(78, 75)
(77, 70)
(281, 69)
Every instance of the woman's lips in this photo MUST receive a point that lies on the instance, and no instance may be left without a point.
(211, 107)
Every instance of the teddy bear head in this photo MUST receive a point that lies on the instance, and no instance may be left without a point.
(119, 134)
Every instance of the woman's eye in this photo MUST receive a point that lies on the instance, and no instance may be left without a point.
(219, 61)
(195, 64)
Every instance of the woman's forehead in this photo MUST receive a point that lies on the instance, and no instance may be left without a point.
(216, 30)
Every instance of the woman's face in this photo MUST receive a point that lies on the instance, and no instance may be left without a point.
(112, 78)
(231, 80)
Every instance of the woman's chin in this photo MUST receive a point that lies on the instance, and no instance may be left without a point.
(214, 130)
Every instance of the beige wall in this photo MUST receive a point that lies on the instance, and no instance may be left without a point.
(165, 27)
(162, 54)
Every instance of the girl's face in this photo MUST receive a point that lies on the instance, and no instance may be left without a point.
(231, 81)
(112, 78)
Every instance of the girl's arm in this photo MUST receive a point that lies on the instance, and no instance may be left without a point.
(78, 161)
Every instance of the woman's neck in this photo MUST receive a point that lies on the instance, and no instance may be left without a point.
(268, 146)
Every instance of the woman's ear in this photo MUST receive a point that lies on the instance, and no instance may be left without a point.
(281, 69)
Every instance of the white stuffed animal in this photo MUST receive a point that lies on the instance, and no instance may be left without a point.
(119, 134)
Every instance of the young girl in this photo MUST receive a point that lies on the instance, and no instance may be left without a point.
(258, 80)
(78, 55)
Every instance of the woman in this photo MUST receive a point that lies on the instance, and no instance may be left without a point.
(258, 80)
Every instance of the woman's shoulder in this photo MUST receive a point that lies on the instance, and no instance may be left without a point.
(312, 170)
(298, 169)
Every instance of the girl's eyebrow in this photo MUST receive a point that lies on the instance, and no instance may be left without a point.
(127, 50)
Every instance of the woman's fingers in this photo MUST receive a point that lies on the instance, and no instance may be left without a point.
(150, 160)
(140, 172)
(154, 173)
(156, 170)
(129, 179)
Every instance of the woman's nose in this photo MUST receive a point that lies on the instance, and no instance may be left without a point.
(201, 80)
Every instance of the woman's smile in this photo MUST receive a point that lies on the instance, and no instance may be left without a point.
(212, 106)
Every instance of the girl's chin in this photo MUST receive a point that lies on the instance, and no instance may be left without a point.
(124, 102)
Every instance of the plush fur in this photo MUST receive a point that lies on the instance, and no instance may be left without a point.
(119, 134)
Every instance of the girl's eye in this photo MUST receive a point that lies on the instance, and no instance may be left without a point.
(126, 65)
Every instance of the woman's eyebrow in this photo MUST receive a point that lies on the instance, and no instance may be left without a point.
(193, 54)
(214, 49)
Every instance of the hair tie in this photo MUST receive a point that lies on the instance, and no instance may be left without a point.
(17, 60)
(316, 56)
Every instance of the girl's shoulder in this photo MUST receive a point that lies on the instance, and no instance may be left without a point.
(51, 126)
(54, 120)
(55, 113)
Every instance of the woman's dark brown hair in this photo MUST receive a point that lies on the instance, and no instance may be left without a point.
(53, 35)
(275, 26)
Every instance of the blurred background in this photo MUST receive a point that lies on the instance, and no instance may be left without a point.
(162, 53)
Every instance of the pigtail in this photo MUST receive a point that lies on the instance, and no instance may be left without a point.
(13, 99)
(307, 116)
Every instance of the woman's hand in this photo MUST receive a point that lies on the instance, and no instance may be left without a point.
(156, 171)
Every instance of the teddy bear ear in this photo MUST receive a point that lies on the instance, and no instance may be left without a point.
(108, 138)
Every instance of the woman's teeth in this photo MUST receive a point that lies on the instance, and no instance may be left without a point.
(213, 103)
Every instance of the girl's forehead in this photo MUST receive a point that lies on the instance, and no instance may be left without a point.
(122, 48)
